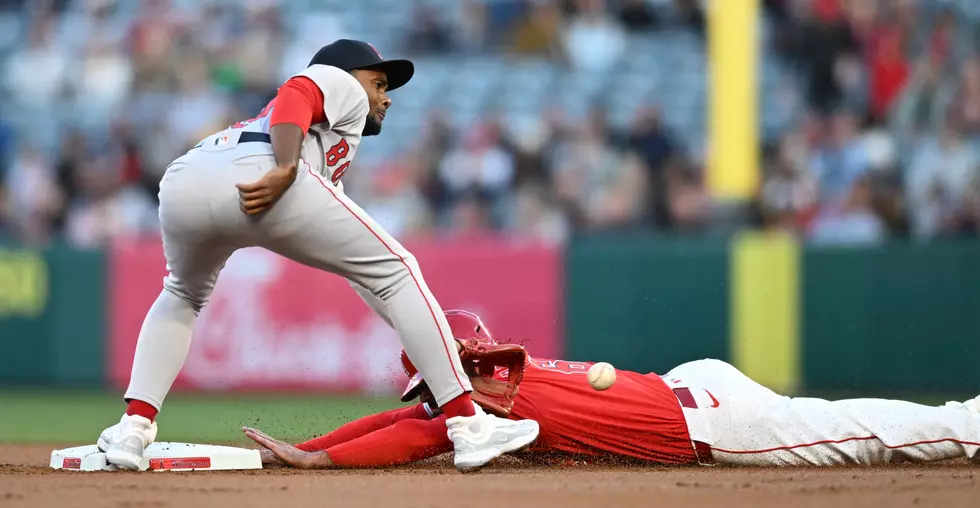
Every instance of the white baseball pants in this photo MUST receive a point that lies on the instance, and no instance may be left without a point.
(748, 424)
(314, 223)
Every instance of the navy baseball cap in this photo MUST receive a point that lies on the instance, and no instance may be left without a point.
(349, 55)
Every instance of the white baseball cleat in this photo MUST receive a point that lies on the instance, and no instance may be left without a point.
(105, 438)
(125, 442)
(481, 438)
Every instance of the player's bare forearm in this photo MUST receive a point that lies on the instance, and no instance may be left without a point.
(303, 460)
(270, 459)
(281, 453)
(309, 460)
(287, 142)
(258, 197)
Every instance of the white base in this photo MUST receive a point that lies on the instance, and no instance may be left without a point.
(163, 457)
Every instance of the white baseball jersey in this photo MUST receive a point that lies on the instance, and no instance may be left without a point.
(329, 147)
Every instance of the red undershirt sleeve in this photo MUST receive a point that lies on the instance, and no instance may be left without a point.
(402, 443)
(364, 426)
(299, 102)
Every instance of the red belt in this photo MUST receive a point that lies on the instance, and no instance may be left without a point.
(702, 451)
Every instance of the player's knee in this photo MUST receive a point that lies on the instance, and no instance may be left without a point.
(198, 299)
(410, 263)
(398, 273)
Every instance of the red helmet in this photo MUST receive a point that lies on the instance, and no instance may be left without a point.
(465, 326)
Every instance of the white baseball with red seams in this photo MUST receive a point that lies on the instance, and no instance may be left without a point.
(602, 376)
(745, 423)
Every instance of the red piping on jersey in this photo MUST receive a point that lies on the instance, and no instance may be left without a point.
(831, 441)
(299, 102)
(445, 345)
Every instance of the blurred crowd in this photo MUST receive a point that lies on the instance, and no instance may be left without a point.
(100, 95)
(888, 144)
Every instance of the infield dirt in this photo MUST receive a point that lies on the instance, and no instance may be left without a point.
(26, 481)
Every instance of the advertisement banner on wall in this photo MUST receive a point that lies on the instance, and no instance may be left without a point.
(273, 324)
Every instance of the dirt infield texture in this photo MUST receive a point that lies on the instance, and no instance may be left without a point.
(25, 481)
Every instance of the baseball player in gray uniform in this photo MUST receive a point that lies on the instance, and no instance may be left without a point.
(274, 181)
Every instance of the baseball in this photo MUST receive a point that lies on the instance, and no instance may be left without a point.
(602, 375)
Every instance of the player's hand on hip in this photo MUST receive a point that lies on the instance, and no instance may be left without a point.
(258, 197)
(286, 452)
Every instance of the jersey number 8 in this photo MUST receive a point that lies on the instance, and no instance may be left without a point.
(334, 155)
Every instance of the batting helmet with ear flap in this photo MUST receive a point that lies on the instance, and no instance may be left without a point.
(465, 325)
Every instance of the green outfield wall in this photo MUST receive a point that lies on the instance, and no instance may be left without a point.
(52, 316)
(896, 317)
(646, 304)
(901, 317)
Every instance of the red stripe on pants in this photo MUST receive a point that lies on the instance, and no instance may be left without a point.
(445, 344)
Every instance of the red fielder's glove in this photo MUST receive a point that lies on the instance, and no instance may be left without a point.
(481, 361)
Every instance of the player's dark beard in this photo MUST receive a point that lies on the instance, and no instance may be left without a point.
(372, 127)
